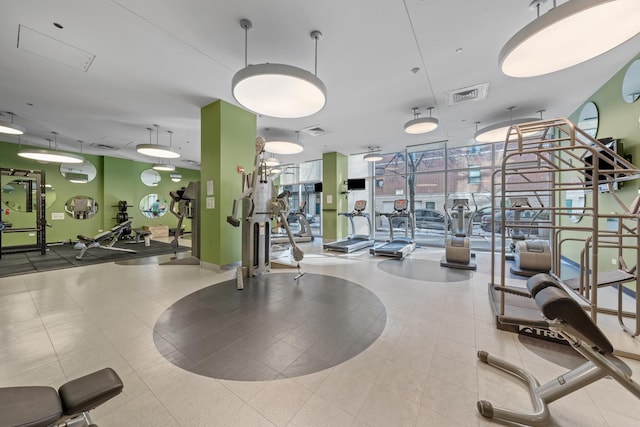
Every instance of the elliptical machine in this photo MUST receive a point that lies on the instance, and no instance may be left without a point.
(531, 256)
(184, 204)
(458, 251)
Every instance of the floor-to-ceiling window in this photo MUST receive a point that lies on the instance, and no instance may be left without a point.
(303, 182)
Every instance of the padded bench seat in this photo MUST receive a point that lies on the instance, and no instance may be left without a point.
(29, 406)
(90, 391)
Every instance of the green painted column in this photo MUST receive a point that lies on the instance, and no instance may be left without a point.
(334, 176)
(228, 135)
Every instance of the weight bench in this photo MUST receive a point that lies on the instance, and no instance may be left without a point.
(69, 406)
(104, 240)
(567, 317)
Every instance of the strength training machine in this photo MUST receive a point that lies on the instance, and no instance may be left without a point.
(397, 247)
(458, 250)
(39, 406)
(33, 183)
(259, 207)
(565, 316)
(354, 242)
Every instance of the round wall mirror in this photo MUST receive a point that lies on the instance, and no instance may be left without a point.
(81, 207)
(78, 173)
(150, 178)
(588, 119)
(153, 206)
(14, 195)
(574, 201)
(631, 83)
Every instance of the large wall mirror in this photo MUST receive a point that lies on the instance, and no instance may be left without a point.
(575, 201)
(631, 83)
(81, 207)
(588, 119)
(14, 194)
(153, 206)
(150, 178)
(78, 173)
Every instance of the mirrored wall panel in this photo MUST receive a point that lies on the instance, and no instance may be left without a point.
(15, 194)
(153, 206)
(631, 83)
(588, 119)
(78, 173)
(150, 178)
(81, 207)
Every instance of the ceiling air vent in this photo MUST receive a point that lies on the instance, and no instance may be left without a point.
(468, 94)
(314, 131)
(104, 147)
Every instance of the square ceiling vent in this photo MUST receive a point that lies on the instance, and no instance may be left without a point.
(468, 94)
(314, 130)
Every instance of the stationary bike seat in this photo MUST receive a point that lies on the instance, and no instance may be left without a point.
(29, 406)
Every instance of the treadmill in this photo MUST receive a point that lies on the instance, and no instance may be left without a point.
(303, 235)
(397, 247)
(354, 242)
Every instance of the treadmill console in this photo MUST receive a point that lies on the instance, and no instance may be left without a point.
(400, 205)
(360, 205)
(519, 202)
(460, 202)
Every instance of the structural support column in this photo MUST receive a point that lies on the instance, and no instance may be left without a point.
(228, 135)
(334, 193)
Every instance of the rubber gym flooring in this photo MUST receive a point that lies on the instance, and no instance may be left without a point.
(64, 256)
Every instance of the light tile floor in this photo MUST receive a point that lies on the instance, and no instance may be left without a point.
(422, 371)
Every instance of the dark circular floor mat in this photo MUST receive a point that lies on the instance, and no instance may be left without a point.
(275, 328)
(419, 269)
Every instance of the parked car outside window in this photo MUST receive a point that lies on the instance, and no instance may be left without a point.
(424, 218)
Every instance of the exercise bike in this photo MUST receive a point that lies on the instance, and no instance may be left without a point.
(38, 406)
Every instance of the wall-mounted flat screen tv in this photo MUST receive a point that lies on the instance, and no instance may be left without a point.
(606, 163)
(356, 184)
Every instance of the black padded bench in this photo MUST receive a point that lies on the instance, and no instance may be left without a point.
(43, 406)
(564, 315)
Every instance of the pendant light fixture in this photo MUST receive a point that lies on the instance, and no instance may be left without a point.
(374, 155)
(568, 35)
(11, 128)
(419, 125)
(279, 90)
(279, 141)
(165, 167)
(49, 155)
(271, 161)
(498, 132)
(156, 150)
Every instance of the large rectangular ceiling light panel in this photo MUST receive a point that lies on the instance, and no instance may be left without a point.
(47, 47)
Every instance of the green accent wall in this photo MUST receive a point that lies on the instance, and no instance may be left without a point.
(116, 179)
(620, 120)
(228, 135)
(335, 172)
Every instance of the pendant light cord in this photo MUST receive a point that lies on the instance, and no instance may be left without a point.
(246, 25)
(315, 71)
(315, 35)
